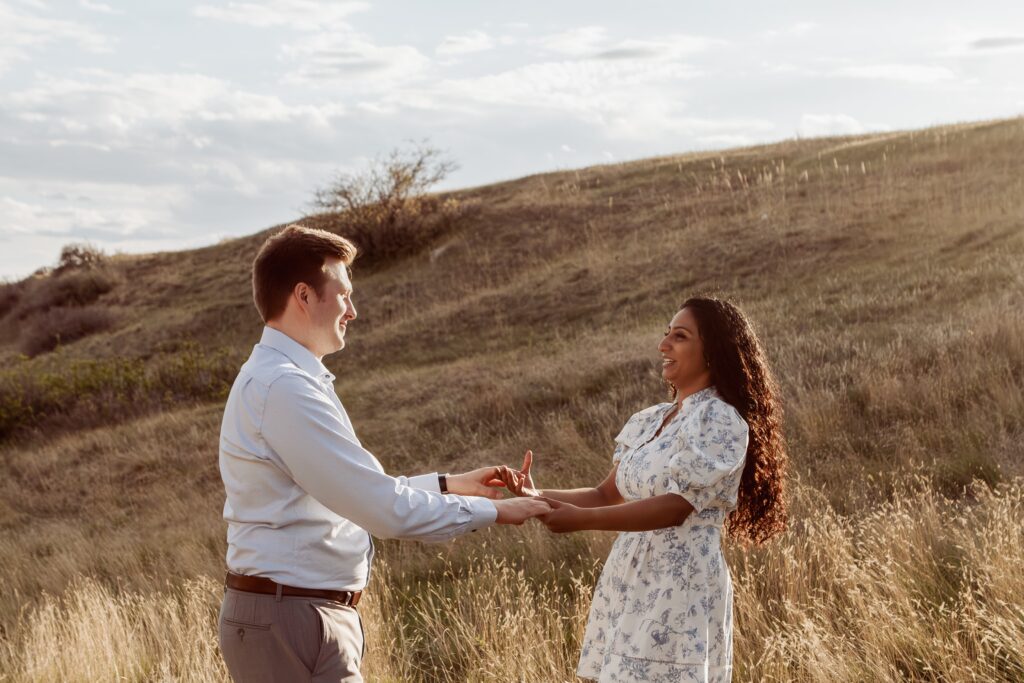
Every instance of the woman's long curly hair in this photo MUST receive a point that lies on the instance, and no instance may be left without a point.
(740, 373)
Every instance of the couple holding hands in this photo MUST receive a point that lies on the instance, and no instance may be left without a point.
(304, 499)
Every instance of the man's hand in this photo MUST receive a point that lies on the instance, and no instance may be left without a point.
(563, 516)
(518, 510)
(484, 482)
(519, 483)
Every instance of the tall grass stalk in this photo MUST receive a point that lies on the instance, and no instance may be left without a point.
(921, 588)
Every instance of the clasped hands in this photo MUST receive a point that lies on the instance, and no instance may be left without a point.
(528, 502)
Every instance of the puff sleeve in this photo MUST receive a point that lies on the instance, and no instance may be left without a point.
(708, 463)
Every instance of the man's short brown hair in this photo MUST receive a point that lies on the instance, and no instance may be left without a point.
(293, 255)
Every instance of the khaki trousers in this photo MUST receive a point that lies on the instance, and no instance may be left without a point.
(266, 639)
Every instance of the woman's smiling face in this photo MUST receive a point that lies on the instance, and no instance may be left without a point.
(682, 354)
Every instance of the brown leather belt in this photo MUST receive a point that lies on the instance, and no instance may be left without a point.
(259, 584)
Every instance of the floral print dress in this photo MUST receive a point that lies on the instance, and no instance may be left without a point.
(662, 609)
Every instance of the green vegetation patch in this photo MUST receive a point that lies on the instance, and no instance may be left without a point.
(86, 392)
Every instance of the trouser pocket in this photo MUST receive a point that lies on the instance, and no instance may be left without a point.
(343, 643)
(265, 640)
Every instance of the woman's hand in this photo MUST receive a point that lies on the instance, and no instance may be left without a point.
(564, 517)
(519, 482)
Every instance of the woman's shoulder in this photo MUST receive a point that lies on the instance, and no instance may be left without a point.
(640, 421)
(709, 408)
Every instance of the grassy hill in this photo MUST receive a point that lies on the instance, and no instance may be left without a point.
(885, 274)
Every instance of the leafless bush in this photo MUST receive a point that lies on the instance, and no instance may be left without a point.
(386, 210)
(78, 255)
(70, 288)
(45, 331)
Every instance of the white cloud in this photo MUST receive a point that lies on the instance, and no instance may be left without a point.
(820, 125)
(348, 57)
(602, 82)
(302, 15)
(661, 119)
(100, 7)
(796, 30)
(788, 69)
(579, 86)
(330, 51)
(628, 100)
(592, 42)
(908, 73)
(111, 109)
(474, 41)
(669, 47)
(79, 143)
(575, 42)
(998, 43)
(21, 33)
(725, 140)
(99, 210)
(985, 46)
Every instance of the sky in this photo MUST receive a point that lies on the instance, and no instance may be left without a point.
(141, 127)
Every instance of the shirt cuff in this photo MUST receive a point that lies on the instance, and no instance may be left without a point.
(425, 482)
(483, 511)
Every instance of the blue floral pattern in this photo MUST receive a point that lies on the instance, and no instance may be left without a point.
(662, 609)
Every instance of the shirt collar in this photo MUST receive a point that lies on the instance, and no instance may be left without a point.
(296, 353)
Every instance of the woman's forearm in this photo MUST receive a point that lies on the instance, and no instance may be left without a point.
(648, 514)
(584, 498)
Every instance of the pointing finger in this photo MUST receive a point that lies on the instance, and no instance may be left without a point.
(527, 462)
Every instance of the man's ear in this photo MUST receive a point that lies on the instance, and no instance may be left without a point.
(301, 294)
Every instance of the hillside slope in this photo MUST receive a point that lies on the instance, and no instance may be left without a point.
(847, 251)
(885, 274)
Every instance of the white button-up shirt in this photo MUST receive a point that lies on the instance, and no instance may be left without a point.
(302, 493)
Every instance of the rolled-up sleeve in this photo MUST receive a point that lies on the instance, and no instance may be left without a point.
(303, 428)
(427, 482)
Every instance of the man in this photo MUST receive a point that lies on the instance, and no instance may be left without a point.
(303, 496)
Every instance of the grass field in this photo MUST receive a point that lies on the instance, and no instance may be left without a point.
(885, 274)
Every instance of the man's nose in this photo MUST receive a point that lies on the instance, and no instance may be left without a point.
(351, 312)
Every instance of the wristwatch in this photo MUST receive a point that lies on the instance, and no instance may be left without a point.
(442, 482)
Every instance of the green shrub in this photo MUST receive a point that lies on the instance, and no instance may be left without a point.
(51, 328)
(89, 393)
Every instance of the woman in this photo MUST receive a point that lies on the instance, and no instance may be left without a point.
(713, 457)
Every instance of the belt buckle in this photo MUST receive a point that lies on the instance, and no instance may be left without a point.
(349, 595)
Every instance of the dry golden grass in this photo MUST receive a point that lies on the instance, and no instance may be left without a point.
(885, 274)
(921, 588)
